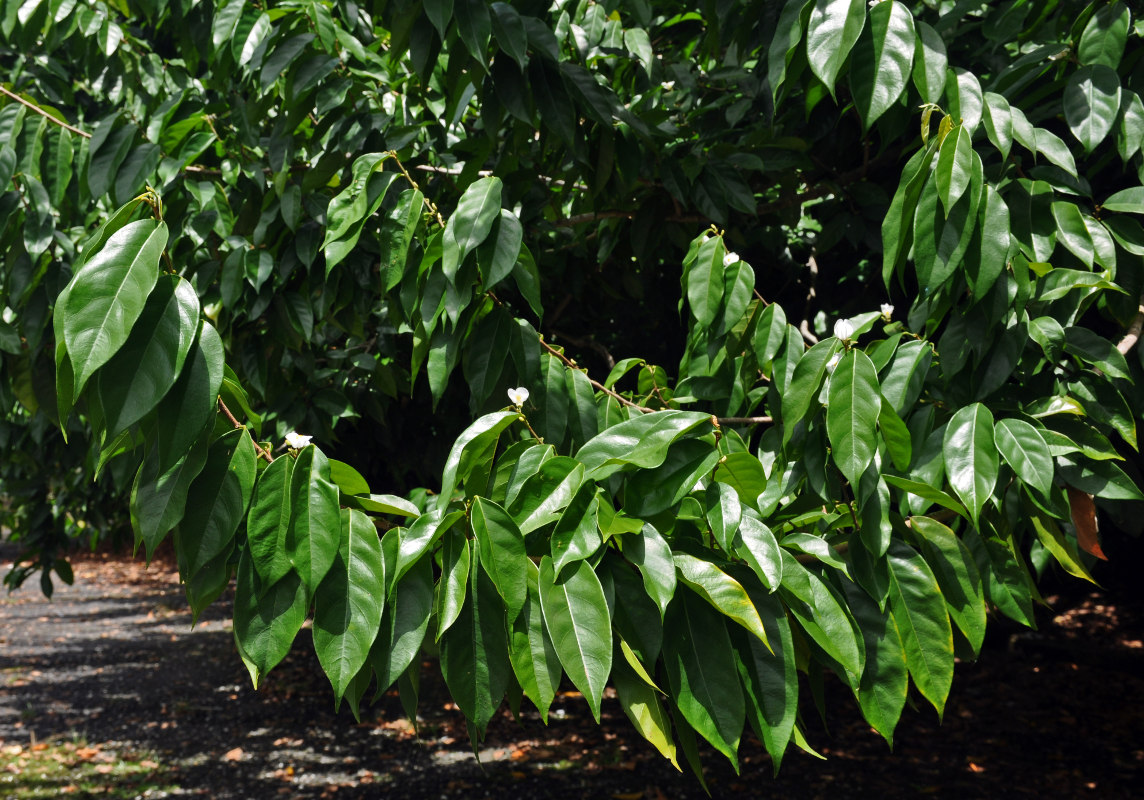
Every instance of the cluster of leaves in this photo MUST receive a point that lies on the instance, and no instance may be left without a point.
(786, 503)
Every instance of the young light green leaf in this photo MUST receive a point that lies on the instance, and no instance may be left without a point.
(724, 593)
(642, 705)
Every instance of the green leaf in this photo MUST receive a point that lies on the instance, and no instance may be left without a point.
(453, 586)
(640, 442)
(882, 58)
(724, 511)
(930, 63)
(108, 294)
(577, 536)
(651, 554)
(216, 502)
(1073, 232)
(854, 403)
(403, 627)
(159, 497)
(475, 27)
(474, 652)
(475, 444)
(954, 166)
(1130, 127)
(744, 473)
(1025, 451)
(1091, 103)
(544, 494)
(724, 593)
(918, 608)
(956, 573)
(193, 400)
(1063, 548)
(1130, 200)
(971, 456)
(498, 254)
(884, 686)
(137, 377)
(703, 280)
(770, 333)
(576, 615)
(353, 206)
(477, 210)
(511, 37)
(501, 546)
(823, 617)
(831, 31)
(266, 619)
(771, 679)
(1094, 349)
(896, 435)
(440, 12)
(642, 705)
(964, 96)
(700, 666)
(1099, 478)
(397, 231)
(999, 122)
(898, 225)
(533, 656)
(416, 540)
(985, 264)
(312, 540)
(788, 35)
(805, 385)
(348, 602)
(650, 492)
(1104, 36)
(269, 520)
(757, 545)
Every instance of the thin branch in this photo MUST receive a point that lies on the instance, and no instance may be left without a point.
(262, 452)
(1133, 335)
(429, 204)
(745, 420)
(572, 365)
(43, 113)
(591, 344)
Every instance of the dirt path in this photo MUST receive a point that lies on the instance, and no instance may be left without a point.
(113, 660)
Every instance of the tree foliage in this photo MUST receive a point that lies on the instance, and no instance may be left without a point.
(872, 270)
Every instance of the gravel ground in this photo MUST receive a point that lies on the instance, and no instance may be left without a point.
(113, 659)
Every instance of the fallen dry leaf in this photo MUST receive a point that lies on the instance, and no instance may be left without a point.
(233, 755)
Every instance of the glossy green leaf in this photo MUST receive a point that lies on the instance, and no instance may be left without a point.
(269, 520)
(1130, 126)
(918, 608)
(854, 403)
(577, 535)
(724, 593)
(1130, 200)
(744, 473)
(642, 705)
(898, 225)
(192, 401)
(216, 502)
(1104, 36)
(930, 63)
(137, 377)
(822, 617)
(956, 573)
(651, 554)
(724, 511)
(999, 122)
(474, 444)
(964, 96)
(971, 456)
(703, 280)
(650, 492)
(404, 624)
(771, 679)
(788, 35)
(1094, 349)
(1063, 548)
(1100, 478)
(804, 387)
(881, 61)
(639, 442)
(453, 585)
(954, 166)
(508, 28)
(348, 603)
(1072, 231)
(885, 682)
(700, 666)
(533, 656)
(312, 540)
(759, 548)
(576, 615)
(477, 210)
(474, 652)
(397, 231)
(1091, 103)
(502, 554)
(475, 27)
(831, 31)
(1025, 451)
(266, 619)
(108, 294)
(159, 497)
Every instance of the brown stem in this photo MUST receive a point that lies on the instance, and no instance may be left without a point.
(429, 204)
(572, 365)
(745, 420)
(43, 113)
(262, 452)
(1132, 336)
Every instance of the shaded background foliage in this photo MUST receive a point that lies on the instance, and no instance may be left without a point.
(617, 133)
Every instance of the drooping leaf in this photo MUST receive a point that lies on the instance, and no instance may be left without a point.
(852, 413)
(971, 456)
(313, 537)
(918, 608)
(831, 31)
(266, 619)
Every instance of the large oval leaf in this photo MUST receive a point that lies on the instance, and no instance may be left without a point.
(269, 520)
(882, 58)
(831, 31)
(315, 520)
(266, 618)
(852, 414)
(723, 592)
(918, 607)
(1091, 103)
(501, 546)
(1024, 449)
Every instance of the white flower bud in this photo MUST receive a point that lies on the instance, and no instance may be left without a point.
(844, 329)
(887, 311)
(518, 396)
(297, 440)
(833, 362)
(730, 259)
(667, 86)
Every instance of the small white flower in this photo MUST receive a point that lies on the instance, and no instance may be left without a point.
(833, 362)
(297, 440)
(844, 329)
(730, 258)
(887, 311)
(667, 86)
(518, 396)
